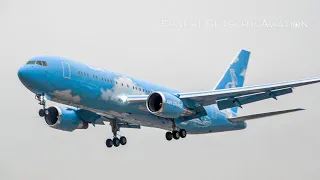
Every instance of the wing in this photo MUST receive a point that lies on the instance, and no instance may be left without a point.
(228, 98)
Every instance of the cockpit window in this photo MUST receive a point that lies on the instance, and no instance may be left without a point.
(41, 63)
(31, 62)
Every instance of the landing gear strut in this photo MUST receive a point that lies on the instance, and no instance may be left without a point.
(41, 99)
(176, 133)
(42, 102)
(116, 142)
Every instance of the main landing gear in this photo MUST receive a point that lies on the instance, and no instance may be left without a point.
(176, 134)
(116, 142)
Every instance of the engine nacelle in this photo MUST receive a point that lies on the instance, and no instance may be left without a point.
(166, 105)
(64, 119)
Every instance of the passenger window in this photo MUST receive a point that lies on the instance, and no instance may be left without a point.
(139, 89)
(128, 85)
(121, 84)
(132, 87)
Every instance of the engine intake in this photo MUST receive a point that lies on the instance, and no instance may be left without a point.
(166, 105)
(155, 102)
(64, 119)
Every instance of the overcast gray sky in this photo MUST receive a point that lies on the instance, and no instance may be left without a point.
(147, 40)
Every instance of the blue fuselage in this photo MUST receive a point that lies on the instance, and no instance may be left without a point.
(75, 84)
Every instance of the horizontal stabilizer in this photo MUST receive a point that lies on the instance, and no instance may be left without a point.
(262, 115)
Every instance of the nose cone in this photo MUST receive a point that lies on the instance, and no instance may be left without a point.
(24, 75)
(32, 77)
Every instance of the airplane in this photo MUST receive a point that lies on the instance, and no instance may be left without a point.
(94, 96)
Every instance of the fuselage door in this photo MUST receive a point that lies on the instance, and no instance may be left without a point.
(66, 70)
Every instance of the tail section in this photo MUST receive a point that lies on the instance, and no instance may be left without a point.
(235, 75)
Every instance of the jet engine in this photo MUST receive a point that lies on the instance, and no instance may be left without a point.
(63, 118)
(166, 105)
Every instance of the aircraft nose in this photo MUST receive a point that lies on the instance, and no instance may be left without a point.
(21, 73)
(25, 75)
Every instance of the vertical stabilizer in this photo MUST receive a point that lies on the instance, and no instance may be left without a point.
(235, 75)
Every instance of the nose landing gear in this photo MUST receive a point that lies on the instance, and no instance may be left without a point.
(41, 113)
(42, 101)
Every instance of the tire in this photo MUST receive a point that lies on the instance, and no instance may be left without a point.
(169, 136)
(123, 140)
(176, 135)
(183, 133)
(116, 142)
(109, 143)
(41, 113)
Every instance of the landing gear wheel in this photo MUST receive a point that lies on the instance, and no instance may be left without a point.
(41, 113)
(183, 133)
(123, 140)
(109, 143)
(116, 142)
(169, 136)
(176, 135)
